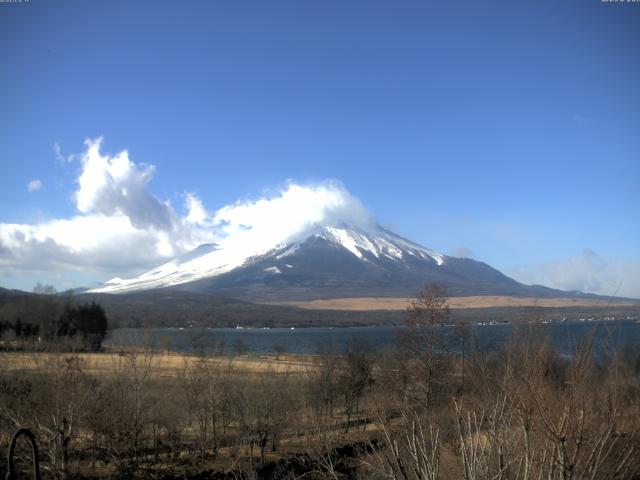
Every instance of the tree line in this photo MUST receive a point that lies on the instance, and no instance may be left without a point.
(33, 319)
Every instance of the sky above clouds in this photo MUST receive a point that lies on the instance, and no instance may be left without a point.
(508, 134)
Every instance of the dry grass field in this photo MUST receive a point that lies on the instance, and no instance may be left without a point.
(151, 414)
(390, 303)
(163, 364)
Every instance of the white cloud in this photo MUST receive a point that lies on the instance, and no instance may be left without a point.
(588, 272)
(262, 224)
(196, 213)
(115, 185)
(122, 229)
(34, 185)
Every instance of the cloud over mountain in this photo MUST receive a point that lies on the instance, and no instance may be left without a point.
(262, 224)
(121, 227)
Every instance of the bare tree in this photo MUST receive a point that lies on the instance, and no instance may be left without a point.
(355, 377)
(424, 341)
(44, 289)
(322, 386)
(412, 451)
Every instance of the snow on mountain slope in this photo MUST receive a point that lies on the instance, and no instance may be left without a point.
(211, 260)
(382, 243)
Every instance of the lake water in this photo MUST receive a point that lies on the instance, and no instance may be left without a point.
(565, 335)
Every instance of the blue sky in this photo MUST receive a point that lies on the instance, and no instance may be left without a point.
(509, 131)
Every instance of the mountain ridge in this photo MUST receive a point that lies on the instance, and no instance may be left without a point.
(327, 261)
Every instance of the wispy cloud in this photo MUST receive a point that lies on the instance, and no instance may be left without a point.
(34, 186)
(463, 252)
(59, 155)
(588, 272)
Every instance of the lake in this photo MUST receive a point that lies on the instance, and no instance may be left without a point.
(565, 335)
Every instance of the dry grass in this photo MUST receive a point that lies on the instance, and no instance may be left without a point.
(163, 364)
(395, 303)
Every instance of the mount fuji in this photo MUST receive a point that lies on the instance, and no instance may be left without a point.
(323, 261)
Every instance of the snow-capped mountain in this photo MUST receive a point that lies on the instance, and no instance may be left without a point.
(211, 260)
(324, 262)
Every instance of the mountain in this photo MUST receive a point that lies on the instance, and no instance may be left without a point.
(6, 293)
(326, 261)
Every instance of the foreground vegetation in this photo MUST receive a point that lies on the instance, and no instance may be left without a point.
(414, 412)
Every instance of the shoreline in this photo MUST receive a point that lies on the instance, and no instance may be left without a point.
(306, 327)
